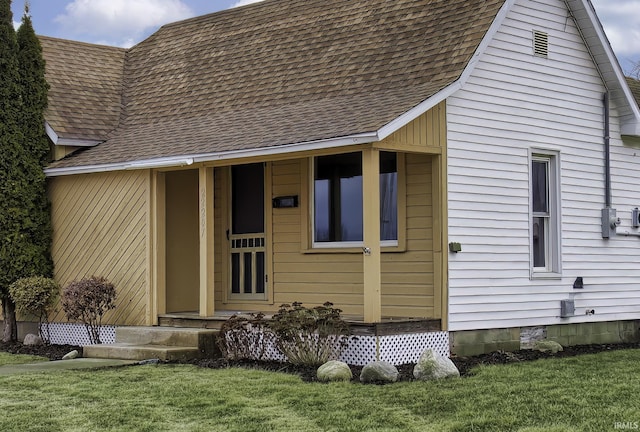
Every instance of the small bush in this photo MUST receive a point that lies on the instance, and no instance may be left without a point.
(36, 295)
(245, 337)
(87, 300)
(310, 337)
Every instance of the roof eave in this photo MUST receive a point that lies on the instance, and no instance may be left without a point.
(184, 160)
(60, 141)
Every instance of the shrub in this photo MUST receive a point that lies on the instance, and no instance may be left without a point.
(36, 295)
(245, 337)
(87, 300)
(310, 337)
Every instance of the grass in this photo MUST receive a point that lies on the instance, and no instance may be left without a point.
(14, 359)
(585, 393)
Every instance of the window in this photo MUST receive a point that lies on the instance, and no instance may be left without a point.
(545, 220)
(337, 199)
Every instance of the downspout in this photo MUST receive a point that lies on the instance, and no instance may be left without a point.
(607, 152)
(610, 221)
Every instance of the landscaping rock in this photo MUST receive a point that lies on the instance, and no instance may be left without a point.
(73, 354)
(547, 346)
(379, 371)
(433, 366)
(334, 370)
(31, 339)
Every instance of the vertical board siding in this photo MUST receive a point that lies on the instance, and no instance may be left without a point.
(408, 277)
(221, 244)
(100, 228)
(513, 102)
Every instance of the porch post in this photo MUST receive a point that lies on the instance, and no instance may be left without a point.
(206, 241)
(371, 234)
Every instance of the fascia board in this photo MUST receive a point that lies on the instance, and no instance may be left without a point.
(182, 160)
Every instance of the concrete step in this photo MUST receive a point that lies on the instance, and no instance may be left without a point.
(126, 351)
(165, 336)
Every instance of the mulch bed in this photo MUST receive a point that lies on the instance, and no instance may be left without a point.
(464, 364)
(308, 374)
(52, 352)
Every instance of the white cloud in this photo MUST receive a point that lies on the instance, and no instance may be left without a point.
(621, 22)
(16, 24)
(119, 22)
(244, 3)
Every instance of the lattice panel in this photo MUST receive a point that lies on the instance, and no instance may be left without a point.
(76, 334)
(361, 351)
(407, 348)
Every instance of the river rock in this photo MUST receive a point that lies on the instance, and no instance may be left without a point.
(32, 339)
(71, 355)
(380, 372)
(334, 370)
(433, 366)
(548, 346)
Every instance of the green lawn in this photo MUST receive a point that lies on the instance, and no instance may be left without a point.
(586, 393)
(14, 359)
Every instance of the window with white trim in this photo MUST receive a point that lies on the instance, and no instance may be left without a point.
(545, 215)
(337, 200)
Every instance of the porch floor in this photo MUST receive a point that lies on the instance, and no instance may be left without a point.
(387, 326)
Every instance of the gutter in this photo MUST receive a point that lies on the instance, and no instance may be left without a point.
(184, 160)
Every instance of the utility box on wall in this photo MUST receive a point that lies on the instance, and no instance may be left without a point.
(635, 218)
(567, 308)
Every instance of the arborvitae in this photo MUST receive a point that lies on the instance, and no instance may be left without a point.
(25, 227)
(34, 89)
(10, 180)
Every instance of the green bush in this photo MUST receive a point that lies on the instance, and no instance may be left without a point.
(245, 337)
(310, 337)
(87, 300)
(36, 295)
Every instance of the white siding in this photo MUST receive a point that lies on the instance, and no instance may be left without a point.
(513, 102)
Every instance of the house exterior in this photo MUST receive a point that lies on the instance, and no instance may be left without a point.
(436, 169)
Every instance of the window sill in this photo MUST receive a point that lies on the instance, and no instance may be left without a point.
(352, 250)
(546, 276)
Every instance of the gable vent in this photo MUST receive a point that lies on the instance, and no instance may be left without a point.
(540, 43)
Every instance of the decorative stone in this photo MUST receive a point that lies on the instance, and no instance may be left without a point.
(433, 366)
(71, 355)
(31, 339)
(334, 370)
(548, 346)
(379, 372)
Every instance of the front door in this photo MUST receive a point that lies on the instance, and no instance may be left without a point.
(247, 233)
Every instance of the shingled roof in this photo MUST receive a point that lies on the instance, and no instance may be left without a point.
(85, 88)
(269, 74)
(634, 85)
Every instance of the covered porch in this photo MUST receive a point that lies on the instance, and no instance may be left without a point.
(245, 235)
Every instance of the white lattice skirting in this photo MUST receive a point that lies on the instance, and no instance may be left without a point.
(396, 349)
(76, 334)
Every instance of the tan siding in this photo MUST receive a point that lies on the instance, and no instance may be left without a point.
(407, 278)
(424, 135)
(221, 246)
(182, 241)
(99, 223)
(309, 278)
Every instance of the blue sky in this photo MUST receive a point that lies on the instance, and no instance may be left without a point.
(127, 22)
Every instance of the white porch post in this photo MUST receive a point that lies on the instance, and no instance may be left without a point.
(206, 241)
(371, 234)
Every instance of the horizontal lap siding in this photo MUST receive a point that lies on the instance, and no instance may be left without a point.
(100, 228)
(308, 278)
(407, 278)
(512, 102)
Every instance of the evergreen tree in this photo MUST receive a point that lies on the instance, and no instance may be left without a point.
(25, 227)
(10, 142)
